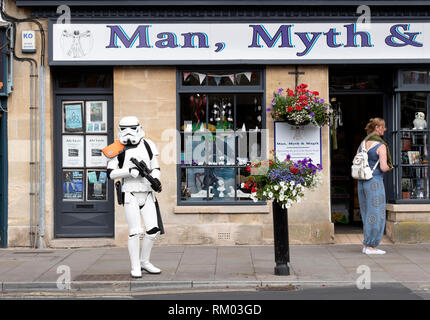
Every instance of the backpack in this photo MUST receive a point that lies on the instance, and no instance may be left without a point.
(360, 168)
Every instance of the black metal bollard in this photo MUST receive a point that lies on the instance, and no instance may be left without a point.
(282, 244)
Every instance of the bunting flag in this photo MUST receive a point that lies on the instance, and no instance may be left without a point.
(202, 77)
(217, 80)
(248, 75)
(231, 76)
(186, 75)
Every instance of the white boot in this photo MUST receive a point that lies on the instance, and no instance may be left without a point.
(133, 251)
(147, 243)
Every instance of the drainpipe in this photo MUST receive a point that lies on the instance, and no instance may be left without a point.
(42, 160)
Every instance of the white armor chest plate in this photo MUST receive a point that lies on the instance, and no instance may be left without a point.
(138, 184)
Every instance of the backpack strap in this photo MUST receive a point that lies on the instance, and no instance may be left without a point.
(148, 149)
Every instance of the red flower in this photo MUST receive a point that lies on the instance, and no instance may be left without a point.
(290, 93)
(271, 162)
(303, 86)
(253, 189)
(298, 108)
(248, 169)
(316, 93)
(289, 108)
(294, 170)
(246, 186)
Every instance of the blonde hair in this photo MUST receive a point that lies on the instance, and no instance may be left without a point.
(370, 127)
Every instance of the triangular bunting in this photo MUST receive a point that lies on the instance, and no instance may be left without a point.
(202, 77)
(186, 75)
(248, 75)
(217, 80)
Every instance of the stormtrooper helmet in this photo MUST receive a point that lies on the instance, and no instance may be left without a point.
(130, 130)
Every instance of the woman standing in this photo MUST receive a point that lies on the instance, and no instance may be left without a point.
(371, 193)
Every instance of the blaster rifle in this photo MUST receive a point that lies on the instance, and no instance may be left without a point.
(146, 173)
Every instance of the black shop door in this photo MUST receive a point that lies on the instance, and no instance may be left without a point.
(84, 197)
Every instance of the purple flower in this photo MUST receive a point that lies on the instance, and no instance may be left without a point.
(312, 114)
(280, 90)
(322, 100)
(268, 109)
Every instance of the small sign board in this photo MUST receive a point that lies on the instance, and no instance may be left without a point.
(28, 41)
(298, 141)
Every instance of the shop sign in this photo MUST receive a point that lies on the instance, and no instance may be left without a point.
(115, 43)
(298, 142)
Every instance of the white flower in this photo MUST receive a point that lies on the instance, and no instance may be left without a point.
(282, 183)
(284, 188)
(276, 188)
(242, 185)
(264, 193)
(270, 195)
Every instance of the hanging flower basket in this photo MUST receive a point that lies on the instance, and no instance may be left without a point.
(300, 107)
(282, 181)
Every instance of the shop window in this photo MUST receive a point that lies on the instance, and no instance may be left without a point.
(222, 120)
(355, 81)
(412, 137)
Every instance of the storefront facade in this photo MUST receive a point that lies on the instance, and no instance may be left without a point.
(200, 74)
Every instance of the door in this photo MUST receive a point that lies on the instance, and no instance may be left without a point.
(84, 206)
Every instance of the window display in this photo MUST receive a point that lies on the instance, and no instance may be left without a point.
(73, 189)
(82, 150)
(414, 146)
(96, 185)
(220, 133)
(72, 115)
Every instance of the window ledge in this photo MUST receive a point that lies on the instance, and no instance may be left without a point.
(408, 207)
(221, 209)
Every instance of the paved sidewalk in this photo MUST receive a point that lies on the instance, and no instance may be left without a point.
(192, 267)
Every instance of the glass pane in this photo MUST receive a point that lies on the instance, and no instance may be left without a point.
(72, 80)
(221, 112)
(367, 82)
(193, 78)
(97, 185)
(195, 148)
(249, 112)
(73, 185)
(410, 104)
(195, 183)
(243, 193)
(73, 116)
(96, 116)
(224, 184)
(220, 79)
(341, 82)
(193, 112)
(415, 77)
(414, 147)
(415, 183)
(248, 78)
(221, 148)
(96, 79)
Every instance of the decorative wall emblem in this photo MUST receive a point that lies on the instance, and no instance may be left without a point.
(76, 43)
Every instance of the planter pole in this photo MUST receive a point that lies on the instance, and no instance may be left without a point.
(282, 245)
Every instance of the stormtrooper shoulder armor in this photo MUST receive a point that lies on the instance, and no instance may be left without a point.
(113, 149)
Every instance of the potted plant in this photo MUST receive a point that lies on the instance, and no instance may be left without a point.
(284, 182)
(300, 107)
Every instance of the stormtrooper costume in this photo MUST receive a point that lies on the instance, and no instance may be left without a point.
(138, 196)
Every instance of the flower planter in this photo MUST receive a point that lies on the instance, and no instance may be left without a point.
(281, 240)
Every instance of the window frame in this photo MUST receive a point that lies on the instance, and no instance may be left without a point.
(207, 89)
(397, 131)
